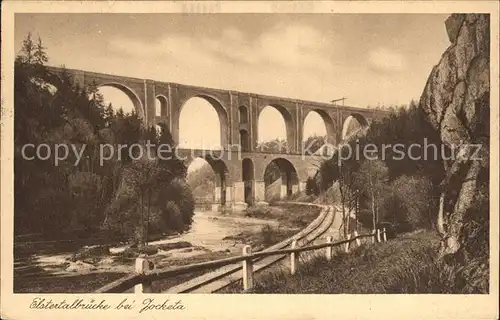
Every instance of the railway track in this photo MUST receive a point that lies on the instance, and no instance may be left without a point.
(220, 278)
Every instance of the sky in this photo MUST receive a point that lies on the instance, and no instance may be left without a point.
(371, 59)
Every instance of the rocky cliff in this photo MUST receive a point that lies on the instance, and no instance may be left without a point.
(456, 102)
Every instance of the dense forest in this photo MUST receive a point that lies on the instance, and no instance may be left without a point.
(395, 191)
(386, 187)
(119, 196)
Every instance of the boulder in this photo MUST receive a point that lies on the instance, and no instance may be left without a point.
(261, 204)
(174, 245)
(240, 206)
(89, 252)
(80, 266)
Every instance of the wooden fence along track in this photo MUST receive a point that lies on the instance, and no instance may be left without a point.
(234, 269)
(220, 278)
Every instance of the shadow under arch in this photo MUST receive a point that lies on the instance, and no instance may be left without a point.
(222, 180)
(280, 178)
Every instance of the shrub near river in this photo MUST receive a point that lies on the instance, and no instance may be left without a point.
(285, 220)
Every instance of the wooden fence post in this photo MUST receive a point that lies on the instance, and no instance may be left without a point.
(247, 269)
(142, 265)
(329, 249)
(294, 258)
(378, 236)
(374, 232)
(358, 240)
(385, 235)
(348, 243)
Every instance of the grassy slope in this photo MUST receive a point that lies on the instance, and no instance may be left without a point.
(288, 214)
(291, 217)
(404, 265)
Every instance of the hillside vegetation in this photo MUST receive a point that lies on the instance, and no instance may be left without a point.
(118, 194)
(408, 264)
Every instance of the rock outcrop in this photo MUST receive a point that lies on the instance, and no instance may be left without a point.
(456, 102)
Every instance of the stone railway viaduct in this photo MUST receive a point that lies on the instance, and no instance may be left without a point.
(240, 174)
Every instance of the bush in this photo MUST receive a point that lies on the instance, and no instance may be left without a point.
(122, 217)
(179, 193)
(171, 209)
(134, 252)
(476, 229)
(257, 211)
(86, 189)
(158, 224)
(390, 229)
(149, 250)
(269, 236)
(173, 217)
(409, 203)
(311, 187)
(174, 245)
(90, 252)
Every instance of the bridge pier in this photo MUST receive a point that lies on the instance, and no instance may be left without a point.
(217, 194)
(283, 191)
(239, 191)
(260, 191)
(302, 186)
(229, 197)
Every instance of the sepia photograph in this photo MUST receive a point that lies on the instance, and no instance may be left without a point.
(288, 151)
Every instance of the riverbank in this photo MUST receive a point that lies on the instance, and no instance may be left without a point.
(212, 236)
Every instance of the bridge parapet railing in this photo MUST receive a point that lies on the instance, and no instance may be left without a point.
(145, 273)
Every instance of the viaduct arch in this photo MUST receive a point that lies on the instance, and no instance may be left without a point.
(240, 165)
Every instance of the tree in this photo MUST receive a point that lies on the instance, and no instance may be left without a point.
(372, 178)
(178, 192)
(109, 115)
(202, 182)
(312, 186)
(50, 108)
(27, 53)
(169, 160)
(143, 175)
(415, 193)
(312, 144)
(39, 55)
(152, 189)
(127, 131)
(119, 195)
(85, 189)
(272, 173)
(40, 188)
(277, 145)
(349, 193)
